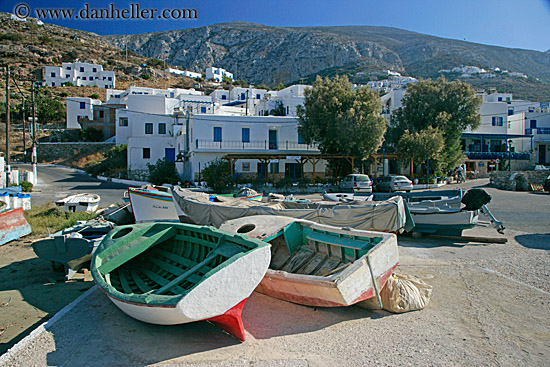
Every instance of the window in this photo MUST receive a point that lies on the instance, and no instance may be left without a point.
(162, 128)
(94, 70)
(246, 166)
(101, 114)
(224, 97)
(246, 134)
(123, 121)
(82, 105)
(258, 96)
(148, 128)
(82, 69)
(53, 75)
(533, 124)
(68, 68)
(500, 99)
(83, 78)
(203, 109)
(510, 111)
(216, 72)
(53, 84)
(146, 153)
(67, 75)
(91, 78)
(243, 96)
(217, 134)
(497, 121)
(300, 139)
(109, 78)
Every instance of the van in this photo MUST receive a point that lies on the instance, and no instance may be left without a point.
(356, 183)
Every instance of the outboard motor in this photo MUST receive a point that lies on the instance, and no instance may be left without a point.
(474, 199)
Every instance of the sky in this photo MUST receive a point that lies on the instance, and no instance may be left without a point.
(508, 23)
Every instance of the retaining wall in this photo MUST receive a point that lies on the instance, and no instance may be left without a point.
(501, 180)
(51, 152)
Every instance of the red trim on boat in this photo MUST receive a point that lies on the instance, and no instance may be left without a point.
(231, 321)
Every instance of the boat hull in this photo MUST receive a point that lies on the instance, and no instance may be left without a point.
(152, 205)
(350, 286)
(445, 223)
(13, 225)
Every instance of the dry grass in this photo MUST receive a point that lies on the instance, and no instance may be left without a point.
(46, 219)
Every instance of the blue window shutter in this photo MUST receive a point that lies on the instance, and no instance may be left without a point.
(246, 135)
(217, 134)
(170, 154)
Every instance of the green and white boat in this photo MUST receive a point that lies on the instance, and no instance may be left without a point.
(175, 273)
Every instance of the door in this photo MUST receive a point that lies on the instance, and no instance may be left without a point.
(542, 154)
(261, 170)
(170, 154)
(273, 139)
(293, 171)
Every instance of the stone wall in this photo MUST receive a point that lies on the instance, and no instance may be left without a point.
(519, 181)
(52, 152)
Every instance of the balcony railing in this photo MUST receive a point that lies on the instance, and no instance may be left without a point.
(539, 130)
(253, 145)
(498, 155)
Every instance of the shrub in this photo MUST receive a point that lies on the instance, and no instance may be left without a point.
(68, 84)
(217, 176)
(91, 134)
(115, 162)
(63, 94)
(14, 37)
(26, 186)
(145, 76)
(94, 96)
(163, 172)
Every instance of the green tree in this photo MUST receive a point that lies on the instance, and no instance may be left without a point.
(421, 146)
(341, 120)
(49, 110)
(451, 107)
(163, 172)
(279, 109)
(279, 86)
(218, 176)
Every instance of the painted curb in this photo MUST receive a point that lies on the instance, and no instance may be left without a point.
(23, 343)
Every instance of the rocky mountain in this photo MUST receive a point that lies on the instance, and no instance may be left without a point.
(265, 54)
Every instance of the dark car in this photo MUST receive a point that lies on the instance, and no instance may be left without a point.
(547, 184)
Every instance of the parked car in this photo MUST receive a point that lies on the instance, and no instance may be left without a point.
(356, 183)
(395, 183)
(547, 184)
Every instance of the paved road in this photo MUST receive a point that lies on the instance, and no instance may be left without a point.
(55, 183)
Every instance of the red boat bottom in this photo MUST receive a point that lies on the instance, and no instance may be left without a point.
(231, 321)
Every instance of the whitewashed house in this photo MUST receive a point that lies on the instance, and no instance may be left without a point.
(80, 74)
(217, 74)
(77, 108)
(190, 74)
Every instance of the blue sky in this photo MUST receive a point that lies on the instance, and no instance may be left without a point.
(509, 23)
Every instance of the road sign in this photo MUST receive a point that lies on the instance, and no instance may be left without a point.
(497, 161)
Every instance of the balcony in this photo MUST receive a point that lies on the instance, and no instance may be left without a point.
(538, 131)
(498, 155)
(253, 145)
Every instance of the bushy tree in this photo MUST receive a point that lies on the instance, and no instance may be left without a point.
(451, 107)
(421, 146)
(49, 110)
(163, 172)
(341, 120)
(217, 176)
(91, 134)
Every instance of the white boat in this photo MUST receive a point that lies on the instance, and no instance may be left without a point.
(443, 221)
(79, 203)
(152, 204)
(319, 265)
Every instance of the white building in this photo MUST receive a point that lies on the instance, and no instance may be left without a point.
(217, 74)
(80, 74)
(77, 108)
(190, 74)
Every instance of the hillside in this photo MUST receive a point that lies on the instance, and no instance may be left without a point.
(269, 55)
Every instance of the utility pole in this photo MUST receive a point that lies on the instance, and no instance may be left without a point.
(33, 154)
(24, 127)
(7, 126)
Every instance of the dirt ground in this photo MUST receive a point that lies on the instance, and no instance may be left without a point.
(30, 292)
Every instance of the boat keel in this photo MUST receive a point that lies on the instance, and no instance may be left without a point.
(231, 321)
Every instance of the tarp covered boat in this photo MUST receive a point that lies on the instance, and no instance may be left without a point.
(319, 265)
(390, 215)
(174, 273)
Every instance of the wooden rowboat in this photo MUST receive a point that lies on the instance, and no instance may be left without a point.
(13, 225)
(174, 273)
(320, 265)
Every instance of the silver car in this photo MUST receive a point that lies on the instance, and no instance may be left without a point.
(395, 183)
(356, 183)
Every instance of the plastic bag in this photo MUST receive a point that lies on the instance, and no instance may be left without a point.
(404, 293)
